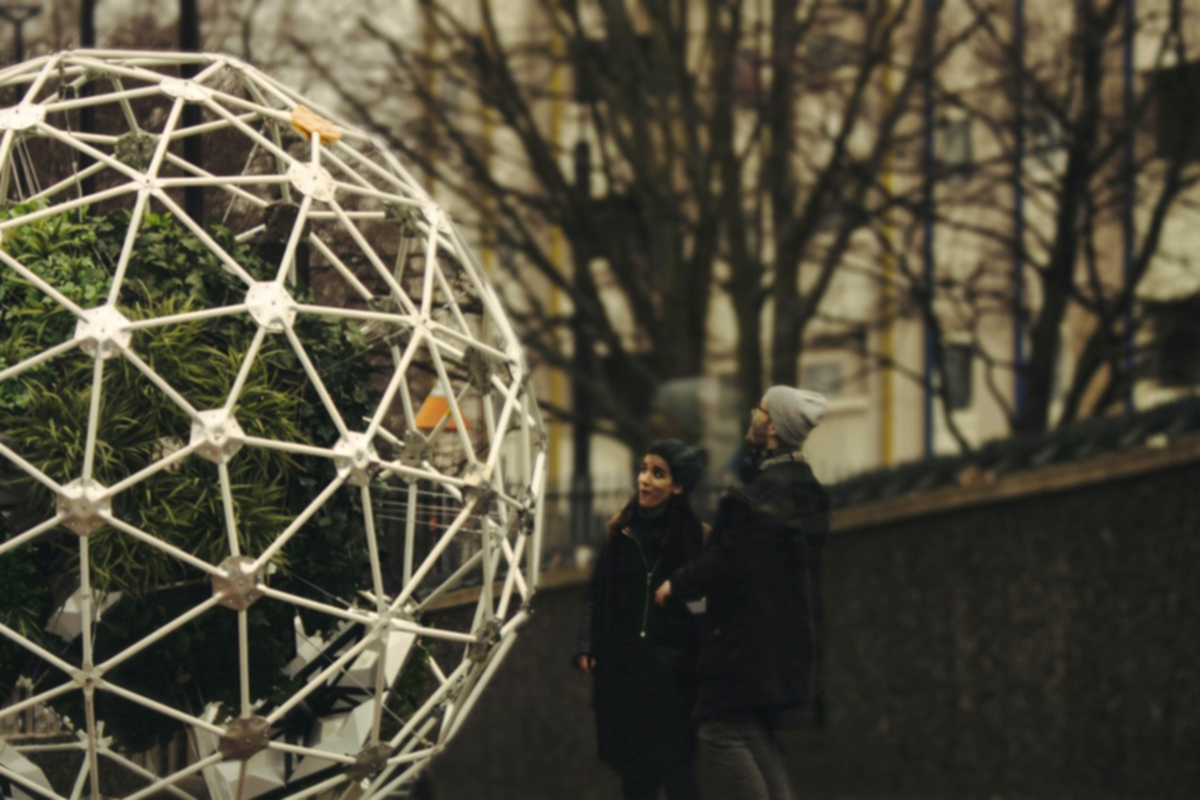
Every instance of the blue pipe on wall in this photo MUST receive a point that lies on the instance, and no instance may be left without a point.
(1129, 224)
(1019, 209)
(928, 262)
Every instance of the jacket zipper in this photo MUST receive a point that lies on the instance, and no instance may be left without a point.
(649, 579)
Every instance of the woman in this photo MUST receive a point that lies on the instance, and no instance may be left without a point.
(642, 657)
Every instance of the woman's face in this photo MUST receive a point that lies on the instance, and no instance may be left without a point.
(654, 483)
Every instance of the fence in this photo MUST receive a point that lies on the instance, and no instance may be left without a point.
(573, 518)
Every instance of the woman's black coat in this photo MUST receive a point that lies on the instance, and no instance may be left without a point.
(644, 680)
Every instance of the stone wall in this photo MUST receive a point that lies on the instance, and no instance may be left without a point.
(1041, 643)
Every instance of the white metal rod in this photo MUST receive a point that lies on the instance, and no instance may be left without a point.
(317, 789)
(229, 261)
(37, 789)
(514, 576)
(153, 705)
(166, 547)
(369, 216)
(186, 316)
(81, 777)
(207, 127)
(311, 752)
(340, 266)
(373, 549)
(170, 780)
(450, 582)
(357, 314)
(93, 428)
(229, 183)
(349, 614)
(100, 99)
(467, 341)
(244, 660)
(62, 208)
(381, 693)
(315, 376)
(494, 663)
(243, 374)
(131, 233)
(290, 447)
(129, 172)
(454, 403)
(373, 257)
(287, 264)
(254, 136)
(387, 772)
(30, 470)
(437, 550)
(68, 183)
(298, 523)
(231, 531)
(165, 462)
(431, 703)
(317, 681)
(133, 766)
(37, 699)
(37, 281)
(93, 761)
(158, 634)
(158, 381)
(410, 530)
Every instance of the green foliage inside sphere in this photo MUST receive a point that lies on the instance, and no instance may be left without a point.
(44, 416)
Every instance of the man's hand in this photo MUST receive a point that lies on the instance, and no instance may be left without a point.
(586, 664)
(664, 591)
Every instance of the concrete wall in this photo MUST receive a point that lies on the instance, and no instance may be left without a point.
(1035, 643)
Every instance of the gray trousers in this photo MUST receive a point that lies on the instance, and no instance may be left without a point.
(745, 753)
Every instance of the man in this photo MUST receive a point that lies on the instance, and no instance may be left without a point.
(758, 660)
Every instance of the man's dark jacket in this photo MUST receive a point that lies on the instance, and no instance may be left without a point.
(755, 573)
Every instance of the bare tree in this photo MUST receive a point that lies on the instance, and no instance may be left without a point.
(736, 147)
(1076, 163)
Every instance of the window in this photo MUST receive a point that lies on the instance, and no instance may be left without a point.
(747, 87)
(824, 377)
(1177, 97)
(1175, 347)
(958, 360)
(1047, 142)
(605, 60)
(955, 151)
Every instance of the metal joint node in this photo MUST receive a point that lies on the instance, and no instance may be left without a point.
(368, 763)
(486, 638)
(479, 371)
(217, 436)
(355, 458)
(416, 449)
(476, 485)
(21, 117)
(182, 89)
(271, 306)
(102, 330)
(240, 586)
(84, 505)
(312, 180)
(244, 738)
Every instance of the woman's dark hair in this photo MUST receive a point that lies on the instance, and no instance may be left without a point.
(678, 517)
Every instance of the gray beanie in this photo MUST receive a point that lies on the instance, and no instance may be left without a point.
(794, 412)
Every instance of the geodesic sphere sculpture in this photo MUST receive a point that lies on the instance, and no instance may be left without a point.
(260, 412)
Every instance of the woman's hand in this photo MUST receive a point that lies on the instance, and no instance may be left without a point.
(662, 594)
(586, 663)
